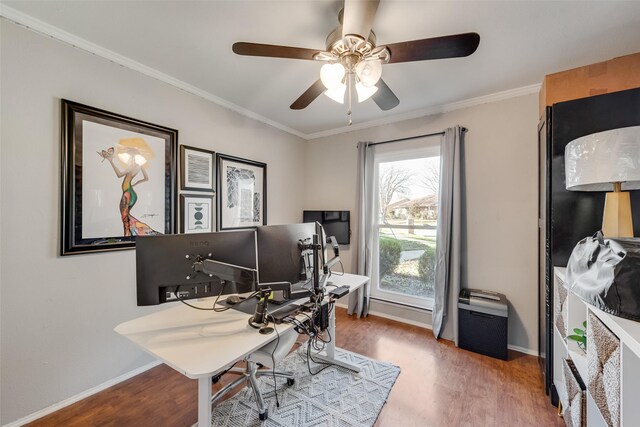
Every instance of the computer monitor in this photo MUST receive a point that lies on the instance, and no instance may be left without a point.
(170, 264)
(280, 258)
(335, 223)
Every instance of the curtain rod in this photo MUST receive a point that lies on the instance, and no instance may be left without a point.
(411, 137)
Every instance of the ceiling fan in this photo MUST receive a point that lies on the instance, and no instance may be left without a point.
(352, 57)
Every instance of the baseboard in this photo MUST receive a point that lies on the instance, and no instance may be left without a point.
(73, 399)
(395, 318)
(401, 320)
(523, 350)
(427, 326)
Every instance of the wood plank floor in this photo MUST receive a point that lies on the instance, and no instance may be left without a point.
(440, 385)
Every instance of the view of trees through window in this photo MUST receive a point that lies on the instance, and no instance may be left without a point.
(407, 225)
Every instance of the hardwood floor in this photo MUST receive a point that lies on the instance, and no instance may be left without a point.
(440, 385)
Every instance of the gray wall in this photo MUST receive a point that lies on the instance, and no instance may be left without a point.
(58, 314)
(499, 252)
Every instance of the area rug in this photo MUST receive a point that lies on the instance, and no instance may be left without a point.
(334, 397)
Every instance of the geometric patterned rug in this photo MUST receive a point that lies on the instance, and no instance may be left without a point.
(334, 397)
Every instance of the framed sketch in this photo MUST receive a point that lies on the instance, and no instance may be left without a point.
(196, 213)
(118, 180)
(242, 193)
(196, 169)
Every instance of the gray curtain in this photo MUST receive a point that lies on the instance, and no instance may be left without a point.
(448, 242)
(359, 301)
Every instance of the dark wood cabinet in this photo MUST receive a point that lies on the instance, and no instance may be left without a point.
(566, 217)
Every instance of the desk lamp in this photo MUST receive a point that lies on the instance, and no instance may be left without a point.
(607, 161)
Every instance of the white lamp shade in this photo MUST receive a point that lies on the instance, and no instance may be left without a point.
(337, 93)
(594, 162)
(331, 75)
(365, 92)
(369, 71)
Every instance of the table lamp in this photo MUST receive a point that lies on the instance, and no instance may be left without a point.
(607, 161)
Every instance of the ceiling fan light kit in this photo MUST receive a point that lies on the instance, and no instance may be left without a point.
(337, 93)
(352, 57)
(369, 71)
(332, 75)
(365, 92)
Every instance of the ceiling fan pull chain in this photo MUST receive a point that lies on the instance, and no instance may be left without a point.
(349, 112)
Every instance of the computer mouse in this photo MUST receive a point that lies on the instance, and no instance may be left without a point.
(234, 299)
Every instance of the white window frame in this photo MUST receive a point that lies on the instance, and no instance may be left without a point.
(419, 148)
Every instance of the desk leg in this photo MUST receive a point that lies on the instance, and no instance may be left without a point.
(329, 354)
(204, 402)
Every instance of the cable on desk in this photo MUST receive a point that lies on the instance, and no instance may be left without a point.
(217, 310)
(273, 360)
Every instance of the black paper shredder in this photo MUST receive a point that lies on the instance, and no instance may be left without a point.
(482, 322)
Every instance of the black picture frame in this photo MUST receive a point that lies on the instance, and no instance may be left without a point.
(235, 212)
(195, 175)
(189, 223)
(91, 186)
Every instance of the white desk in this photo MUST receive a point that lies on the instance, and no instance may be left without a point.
(198, 344)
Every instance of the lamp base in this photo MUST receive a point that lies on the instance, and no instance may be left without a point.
(617, 220)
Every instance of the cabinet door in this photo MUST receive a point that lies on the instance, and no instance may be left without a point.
(545, 329)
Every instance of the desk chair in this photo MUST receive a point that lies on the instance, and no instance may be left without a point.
(252, 372)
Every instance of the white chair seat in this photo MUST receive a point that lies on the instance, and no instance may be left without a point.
(281, 346)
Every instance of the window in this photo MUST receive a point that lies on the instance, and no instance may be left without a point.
(406, 177)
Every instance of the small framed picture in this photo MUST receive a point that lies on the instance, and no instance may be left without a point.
(196, 213)
(242, 193)
(196, 169)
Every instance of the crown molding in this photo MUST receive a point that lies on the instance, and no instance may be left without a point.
(438, 109)
(56, 33)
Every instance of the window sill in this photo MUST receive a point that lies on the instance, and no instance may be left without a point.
(401, 304)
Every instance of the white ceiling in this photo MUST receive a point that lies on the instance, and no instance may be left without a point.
(521, 41)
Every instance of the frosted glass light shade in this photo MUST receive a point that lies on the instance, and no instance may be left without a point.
(365, 92)
(369, 71)
(331, 75)
(594, 162)
(337, 93)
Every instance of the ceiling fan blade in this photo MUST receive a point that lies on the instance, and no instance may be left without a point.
(358, 17)
(309, 95)
(274, 51)
(454, 46)
(384, 96)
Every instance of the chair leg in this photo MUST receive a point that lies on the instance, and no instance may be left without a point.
(285, 374)
(216, 378)
(270, 373)
(226, 389)
(252, 371)
(251, 375)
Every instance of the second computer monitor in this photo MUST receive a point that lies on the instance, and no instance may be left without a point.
(280, 258)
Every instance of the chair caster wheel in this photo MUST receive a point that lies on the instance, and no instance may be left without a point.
(290, 381)
(264, 416)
